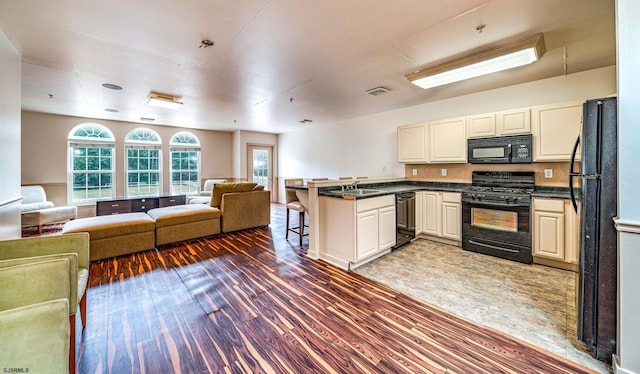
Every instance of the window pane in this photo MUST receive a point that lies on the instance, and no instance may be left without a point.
(93, 151)
(105, 163)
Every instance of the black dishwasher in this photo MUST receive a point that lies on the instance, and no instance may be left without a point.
(405, 218)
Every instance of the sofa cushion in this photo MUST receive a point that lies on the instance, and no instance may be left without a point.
(220, 189)
(36, 206)
(109, 226)
(258, 187)
(180, 214)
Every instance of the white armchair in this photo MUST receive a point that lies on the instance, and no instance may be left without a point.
(205, 195)
(37, 211)
(208, 186)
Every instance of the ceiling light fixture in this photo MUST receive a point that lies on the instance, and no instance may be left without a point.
(521, 52)
(164, 101)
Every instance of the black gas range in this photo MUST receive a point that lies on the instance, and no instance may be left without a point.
(496, 216)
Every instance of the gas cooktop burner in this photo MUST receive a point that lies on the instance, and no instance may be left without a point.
(500, 188)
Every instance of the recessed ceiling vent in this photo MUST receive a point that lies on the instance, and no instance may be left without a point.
(377, 91)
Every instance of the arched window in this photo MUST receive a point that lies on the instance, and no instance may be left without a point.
(185, 163)
(143, 149)
(91, 163)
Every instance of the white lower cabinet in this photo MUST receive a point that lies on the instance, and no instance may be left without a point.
(555, 231)
(451, 220)
(439, 214)
(367, 234)
(353, 232)
(375, 226)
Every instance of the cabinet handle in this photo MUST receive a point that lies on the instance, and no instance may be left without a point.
(114, 213)
(172, 200)
(143, 200)
(142, 207)
(115, 205)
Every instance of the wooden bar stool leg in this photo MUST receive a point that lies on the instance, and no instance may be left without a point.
(301, 220)
(286, 236)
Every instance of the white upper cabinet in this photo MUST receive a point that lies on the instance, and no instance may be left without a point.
(555, 129)
(481, 125)
(513, 122)
(448, 140)
(412, 143)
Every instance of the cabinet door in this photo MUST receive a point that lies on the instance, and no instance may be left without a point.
(448, 140)
(419, 212)
(571, 233)
(367, 224)
(481, 125)
(387, 228)
(549, 235)
(512, 122)
(412, 143)
(432, 217)
(451, 221)
(555, 129)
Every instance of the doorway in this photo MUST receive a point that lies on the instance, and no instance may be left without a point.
(260, 166)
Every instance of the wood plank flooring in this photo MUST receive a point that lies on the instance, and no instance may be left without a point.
(249, 302)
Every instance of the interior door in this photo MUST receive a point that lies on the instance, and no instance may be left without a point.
(260, 166)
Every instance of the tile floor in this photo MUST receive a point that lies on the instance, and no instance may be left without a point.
(531, 302)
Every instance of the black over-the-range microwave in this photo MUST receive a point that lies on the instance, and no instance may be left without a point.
(516, 149)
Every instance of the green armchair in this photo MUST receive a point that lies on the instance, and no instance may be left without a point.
(72, 247)
(34, 316)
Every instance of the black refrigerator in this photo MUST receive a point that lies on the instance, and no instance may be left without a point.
(597, 282)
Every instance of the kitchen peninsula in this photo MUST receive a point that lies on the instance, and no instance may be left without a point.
(349, 227)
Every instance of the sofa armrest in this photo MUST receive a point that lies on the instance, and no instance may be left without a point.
(242, 210)
(47, 245)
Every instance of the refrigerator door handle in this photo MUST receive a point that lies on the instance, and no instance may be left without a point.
(573, 174)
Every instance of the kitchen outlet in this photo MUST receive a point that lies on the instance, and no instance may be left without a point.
(415, 172)
(548, 173)
(443, 172)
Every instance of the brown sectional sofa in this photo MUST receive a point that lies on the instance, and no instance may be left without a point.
(234, 206)
(115, 235)
(183, 222)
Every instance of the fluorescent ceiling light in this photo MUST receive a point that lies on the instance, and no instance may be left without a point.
(509, 56)
(163, 101)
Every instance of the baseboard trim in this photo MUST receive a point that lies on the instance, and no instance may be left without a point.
(617, 369)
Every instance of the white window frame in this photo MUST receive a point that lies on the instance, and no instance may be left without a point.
(150, 141)
(178, 144)
(92, 140)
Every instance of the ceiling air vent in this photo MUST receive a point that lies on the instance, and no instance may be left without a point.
(378, 91)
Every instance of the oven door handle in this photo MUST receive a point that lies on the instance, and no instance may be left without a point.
(481, 204)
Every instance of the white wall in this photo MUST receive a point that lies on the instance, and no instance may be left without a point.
(366, 146)
(628, 224)
(10, 93)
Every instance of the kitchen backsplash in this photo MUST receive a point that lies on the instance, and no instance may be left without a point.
(461, 173)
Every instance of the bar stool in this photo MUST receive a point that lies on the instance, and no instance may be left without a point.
(294, 204)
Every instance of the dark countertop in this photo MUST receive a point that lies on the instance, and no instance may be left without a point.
(393, 188)
(554, 192)
(388, 188)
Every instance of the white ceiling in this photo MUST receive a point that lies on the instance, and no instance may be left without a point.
(323, 54)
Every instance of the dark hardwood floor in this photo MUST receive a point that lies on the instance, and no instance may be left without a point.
(250, 302)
